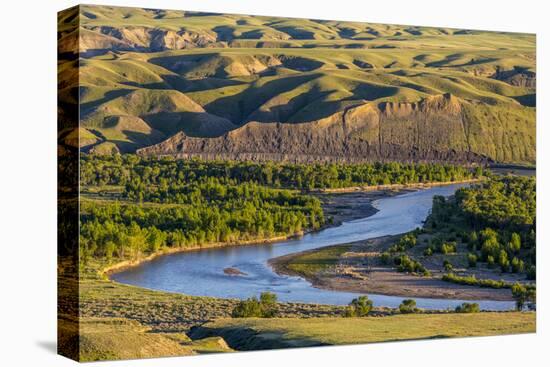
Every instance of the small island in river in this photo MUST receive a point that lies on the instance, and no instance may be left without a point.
(233, 272)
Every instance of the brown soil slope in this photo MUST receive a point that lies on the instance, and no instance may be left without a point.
(437, 128)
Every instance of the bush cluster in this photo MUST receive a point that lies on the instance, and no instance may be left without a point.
(359, 307)
(407, 265)
(406, 242)
(496, 219)
(467, 308)
(266, 306)
(408, 306)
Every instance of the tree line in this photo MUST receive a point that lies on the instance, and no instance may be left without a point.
(497, 220)
(167, 203)
(133, 169)
(127, 230)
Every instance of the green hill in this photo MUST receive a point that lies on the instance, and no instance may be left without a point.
(149, 75)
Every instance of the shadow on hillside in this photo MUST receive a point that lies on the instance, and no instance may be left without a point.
(239, 106)
(86, 108)
(201, 124)
(184, 85)
(528, 100)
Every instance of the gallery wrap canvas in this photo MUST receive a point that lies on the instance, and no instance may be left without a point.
(234, 182)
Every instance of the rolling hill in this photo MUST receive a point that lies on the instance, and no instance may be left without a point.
(162, 82)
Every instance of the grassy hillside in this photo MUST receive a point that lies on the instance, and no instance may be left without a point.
(276, 333)
(108, 338)
(207, 74)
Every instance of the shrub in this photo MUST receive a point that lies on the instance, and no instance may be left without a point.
(523, 294)
(473, 241)
(515, 243)
(428, 251)
(407, 265)
(503, 261)
(268, 302)
(448, 248)
(408, 306)
(472, 260)
(251, 307)
(248, 308)
(467, 308)
(517, 265)
(472, 280)
(490, 261)
(447, 266)
(406, 242)
(359, 307)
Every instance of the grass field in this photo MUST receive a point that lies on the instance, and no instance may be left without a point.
(305, 332)
(311, 263)
(104, 338)
(120, 322)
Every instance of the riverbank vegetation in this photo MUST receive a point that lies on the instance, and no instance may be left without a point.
(110, 213)
(121, 321)
(122, 230)
(489, 227)
(497, 221)
(135, 206)
(165, 174)
(359, 307)
(266, 306)
(456, 254)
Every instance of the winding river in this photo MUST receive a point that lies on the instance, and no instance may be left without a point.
(201, 272)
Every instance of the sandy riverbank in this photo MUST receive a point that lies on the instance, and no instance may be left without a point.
(410, 186)
(358, 270)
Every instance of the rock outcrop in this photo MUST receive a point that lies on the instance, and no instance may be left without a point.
(433, 129)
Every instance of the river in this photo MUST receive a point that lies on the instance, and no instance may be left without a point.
(200, 273)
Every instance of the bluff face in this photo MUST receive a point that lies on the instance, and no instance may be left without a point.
(437, 128)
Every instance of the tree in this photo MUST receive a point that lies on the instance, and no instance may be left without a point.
(467, 308)
(515, 243)
(490, 247)
(473, 241)
(523, 295)
(518, 266)
(110, 248)
(268, 303)
(250, 307)
(503, 261)
(408, 306)
(472, 260)
(359, 307)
